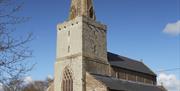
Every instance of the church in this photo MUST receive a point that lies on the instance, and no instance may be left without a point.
(83, 62)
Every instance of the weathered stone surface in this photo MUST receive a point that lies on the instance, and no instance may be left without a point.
(51, 87)
(78, 41)
(82, 8)
(94, 85)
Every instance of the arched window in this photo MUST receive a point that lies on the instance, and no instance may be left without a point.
(67, 80)
(91, 12)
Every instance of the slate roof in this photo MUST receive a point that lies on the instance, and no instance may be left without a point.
(127, 63)
(123, 85)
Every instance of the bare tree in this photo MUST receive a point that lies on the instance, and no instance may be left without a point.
(36, 86)
(13, 51)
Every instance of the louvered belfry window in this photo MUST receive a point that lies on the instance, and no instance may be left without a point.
(67, 81)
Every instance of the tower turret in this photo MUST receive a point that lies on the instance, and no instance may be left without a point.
(82, 8)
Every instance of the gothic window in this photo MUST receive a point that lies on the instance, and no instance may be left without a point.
(140, 79)
(131, 77)
(67, 80)
(91, 12)
(122, 75)
(149, 81)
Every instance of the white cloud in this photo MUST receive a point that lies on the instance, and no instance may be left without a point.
(169, 81)
(172, 28)
(1, 87)
(28, 80)
(49, 77)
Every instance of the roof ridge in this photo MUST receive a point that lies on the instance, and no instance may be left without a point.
(131, 59)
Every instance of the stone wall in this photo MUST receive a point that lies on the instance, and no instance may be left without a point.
(69, 38)
(96, 67)
(94, 85)
(77, 40)
(76, 67)
(94, 40)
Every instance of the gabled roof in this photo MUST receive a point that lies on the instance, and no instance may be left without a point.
(123, 85)
(127, 63)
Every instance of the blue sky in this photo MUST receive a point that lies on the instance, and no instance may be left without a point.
(135, 30)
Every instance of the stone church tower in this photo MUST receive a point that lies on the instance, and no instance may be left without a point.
(81, 48)
(83, 63)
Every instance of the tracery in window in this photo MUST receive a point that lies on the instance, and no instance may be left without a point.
(67, 80)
